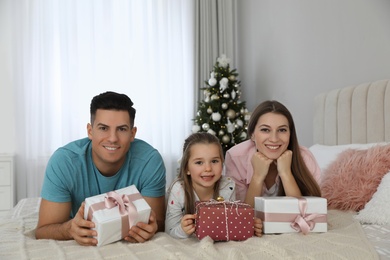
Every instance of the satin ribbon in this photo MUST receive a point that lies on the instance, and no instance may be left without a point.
(232, 204)
(125, 205)
(303, 222)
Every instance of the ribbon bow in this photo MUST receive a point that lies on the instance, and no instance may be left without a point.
(126, 207)
(304, 222)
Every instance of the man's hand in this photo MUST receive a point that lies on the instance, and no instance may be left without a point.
(142, 232)
(80, 229)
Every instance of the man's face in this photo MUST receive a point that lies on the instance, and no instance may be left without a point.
(111, 136)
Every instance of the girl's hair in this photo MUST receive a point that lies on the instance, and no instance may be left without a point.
(305, 180)
(184, 178)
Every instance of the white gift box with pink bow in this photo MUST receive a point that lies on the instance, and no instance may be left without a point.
(115, 212)
(289, 214)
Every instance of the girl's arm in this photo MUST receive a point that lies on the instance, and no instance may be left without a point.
(174, 214)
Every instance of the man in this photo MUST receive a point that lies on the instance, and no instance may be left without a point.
(109, 159)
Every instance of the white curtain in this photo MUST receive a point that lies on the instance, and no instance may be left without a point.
(215, 34)
(67, 51)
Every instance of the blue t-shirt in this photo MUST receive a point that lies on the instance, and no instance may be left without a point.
(72, 176)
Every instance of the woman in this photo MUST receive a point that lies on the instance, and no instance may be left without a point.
(272, 163)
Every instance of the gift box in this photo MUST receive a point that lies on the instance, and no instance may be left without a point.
(115, 212)
(290, 214)
(224, 221)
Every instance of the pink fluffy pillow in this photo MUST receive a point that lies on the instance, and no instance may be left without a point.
(350, 181)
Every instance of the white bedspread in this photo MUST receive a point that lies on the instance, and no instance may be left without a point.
(344, 240)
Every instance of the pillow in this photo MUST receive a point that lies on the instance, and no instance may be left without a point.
(350, 181)
(326, 154)
(377, 210)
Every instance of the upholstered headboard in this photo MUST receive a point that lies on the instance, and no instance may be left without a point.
(355, 114)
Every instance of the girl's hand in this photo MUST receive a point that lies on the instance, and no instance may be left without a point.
(258, 227)
(188, 223)
(284, 163)
(260, 164)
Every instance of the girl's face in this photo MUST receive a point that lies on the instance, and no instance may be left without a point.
(204, 165)
(271, 135)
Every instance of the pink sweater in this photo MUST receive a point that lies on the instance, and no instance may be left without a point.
(239, 167)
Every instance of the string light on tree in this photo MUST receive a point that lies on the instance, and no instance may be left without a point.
(221, 112)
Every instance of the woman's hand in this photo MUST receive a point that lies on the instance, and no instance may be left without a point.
(283, 163)
(188, 223)
(258, 227)
(260, 164)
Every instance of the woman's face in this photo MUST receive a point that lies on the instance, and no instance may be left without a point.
(271, 135)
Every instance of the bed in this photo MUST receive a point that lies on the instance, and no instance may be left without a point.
(350, 235)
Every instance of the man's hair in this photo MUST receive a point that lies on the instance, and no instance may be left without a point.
(112, 101)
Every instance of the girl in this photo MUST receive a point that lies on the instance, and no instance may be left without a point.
(272, 163)
(200, 179)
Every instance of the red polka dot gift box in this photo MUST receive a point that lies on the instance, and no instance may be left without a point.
(224, 221)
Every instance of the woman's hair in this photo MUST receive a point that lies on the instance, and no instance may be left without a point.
(184, 178)
(305, 180)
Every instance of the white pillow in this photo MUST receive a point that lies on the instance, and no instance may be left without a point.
(326, 154)
(377, 210)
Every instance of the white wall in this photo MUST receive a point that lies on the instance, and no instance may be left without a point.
(293, 50)
(7, 122)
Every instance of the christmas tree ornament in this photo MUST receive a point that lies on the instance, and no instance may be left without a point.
(230, 126)
(231, 113)
(224, 106)
(206, 127)
(223, 61)
(199, 113)
(225, 139)
(214, 97)
(212, 82)
(243, 135)
(209, 110)
(223, 84)
(211, 131)
(232, 78)
(226, 95)
(240, 123)
(221, 132)
(195, 128)
(216, 116)
(233, 94)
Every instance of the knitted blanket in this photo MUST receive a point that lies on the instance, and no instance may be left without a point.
(345, 239)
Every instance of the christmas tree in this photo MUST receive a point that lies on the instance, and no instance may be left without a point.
(221, 112)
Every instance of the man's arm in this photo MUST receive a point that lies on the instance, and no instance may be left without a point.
(54, 223)
(158, 206)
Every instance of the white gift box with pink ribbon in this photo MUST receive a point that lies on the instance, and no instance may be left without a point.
(115, 212)
(290, 214)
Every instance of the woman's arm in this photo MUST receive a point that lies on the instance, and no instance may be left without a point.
(284, 170)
